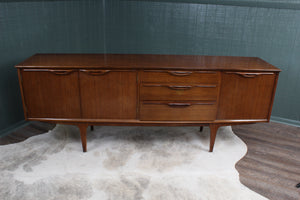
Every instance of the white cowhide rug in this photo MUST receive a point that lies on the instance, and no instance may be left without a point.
(124, 163)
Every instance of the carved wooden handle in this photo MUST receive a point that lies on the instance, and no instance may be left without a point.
(179, 87)
(249, 74)
(178, 104)
(179, 73)
(95, 72)
(61, 72)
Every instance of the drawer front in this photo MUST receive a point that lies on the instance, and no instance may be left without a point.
(170, 111)
(206, 77)
(178, 92)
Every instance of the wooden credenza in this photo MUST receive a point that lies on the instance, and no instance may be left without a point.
(147, 90)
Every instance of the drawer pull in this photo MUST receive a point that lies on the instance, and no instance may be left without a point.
(249, 74)
(186, 87)
(95, 72)
(174, 104)
(189, 104)
(179, 87)
(179, 73)
(179, 104)
(61, 72)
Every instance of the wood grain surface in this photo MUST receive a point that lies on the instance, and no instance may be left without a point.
(146, 61)
(112, 95)
(246, 96)
(51, 93)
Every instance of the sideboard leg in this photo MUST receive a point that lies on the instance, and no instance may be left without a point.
(213, 133)
(92, 128)
(201, 128)
(82, 128)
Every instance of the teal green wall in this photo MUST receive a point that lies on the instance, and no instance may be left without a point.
(254, 28)
(187, 28)
(29, 27)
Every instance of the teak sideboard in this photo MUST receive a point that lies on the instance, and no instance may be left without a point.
(147, 90)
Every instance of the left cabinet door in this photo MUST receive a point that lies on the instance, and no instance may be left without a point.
(51, 93)
(108, 94)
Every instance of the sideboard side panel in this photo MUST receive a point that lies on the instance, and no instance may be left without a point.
(245, 96)
(22, 92)
(273, 95)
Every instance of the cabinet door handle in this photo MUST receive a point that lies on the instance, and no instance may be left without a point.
(249, 74)
(179, 104)
(61, 72)
(95, 72)
(179, 73)
(179, 87)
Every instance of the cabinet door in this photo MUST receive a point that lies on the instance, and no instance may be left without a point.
(51, 93)
(108, 94)
(246, 95)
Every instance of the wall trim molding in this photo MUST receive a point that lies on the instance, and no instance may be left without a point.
(13, 127)
(285, 121)
(281, 4)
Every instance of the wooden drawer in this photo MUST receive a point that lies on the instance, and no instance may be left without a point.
(206, 77)
(178, 92)
(183, 111)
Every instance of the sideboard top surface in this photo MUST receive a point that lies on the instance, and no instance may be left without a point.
(147, 61)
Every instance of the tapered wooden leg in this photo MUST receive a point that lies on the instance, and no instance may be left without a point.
(92, 128)
(82, 128)
(213, 133)
(201, 128)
